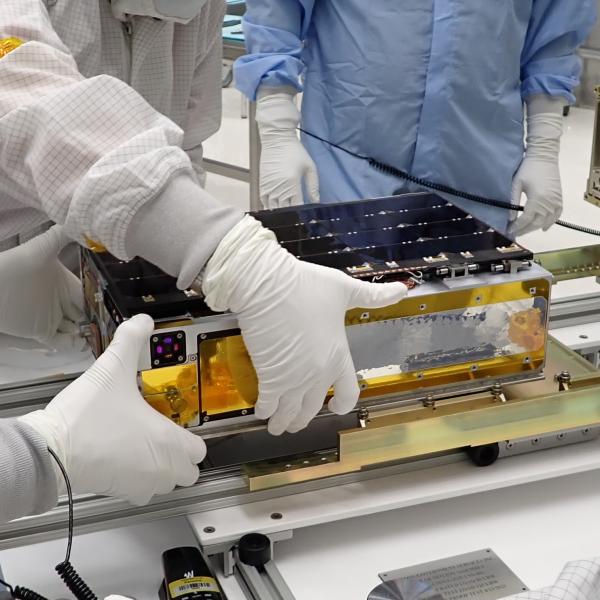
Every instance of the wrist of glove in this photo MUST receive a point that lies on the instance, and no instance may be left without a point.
(40, 299)
(285, 165)
(109, 439)
(291, 315)
(538, 176)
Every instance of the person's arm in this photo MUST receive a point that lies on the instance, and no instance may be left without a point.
(28, 482)
(550, 65)
(550, 71)
(271, 74)
(274, 33)
(91, 153)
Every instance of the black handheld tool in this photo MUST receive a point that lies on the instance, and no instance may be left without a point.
(188, 576)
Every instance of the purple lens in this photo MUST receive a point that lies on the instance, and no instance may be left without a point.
(159, 349)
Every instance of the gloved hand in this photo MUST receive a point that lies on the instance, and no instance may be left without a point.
(291, 315)
(284, 163)
(538, 176)
(109, 439)
(41, 299)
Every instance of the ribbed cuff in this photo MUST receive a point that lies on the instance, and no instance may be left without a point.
(542, 103)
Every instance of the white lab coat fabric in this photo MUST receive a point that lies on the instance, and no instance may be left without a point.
(579, 580)
(94, 122)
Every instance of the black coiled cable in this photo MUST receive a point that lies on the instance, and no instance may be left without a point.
(65, 569)
(22, 593)
(439, 187)
(74, 582)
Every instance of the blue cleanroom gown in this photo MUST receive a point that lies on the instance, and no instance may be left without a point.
(434, 87)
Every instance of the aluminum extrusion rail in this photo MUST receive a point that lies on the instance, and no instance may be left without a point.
(220, 489)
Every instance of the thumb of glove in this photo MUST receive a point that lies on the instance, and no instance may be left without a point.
(375, 295)
(122, 356)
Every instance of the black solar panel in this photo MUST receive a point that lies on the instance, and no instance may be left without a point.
(388, 237)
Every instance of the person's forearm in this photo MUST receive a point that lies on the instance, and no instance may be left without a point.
(89, 153)
(28, 483)
(180, 230)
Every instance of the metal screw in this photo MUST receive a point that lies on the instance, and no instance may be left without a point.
(244, 412)
(474, 368)
(202, 336)
(478, 299)
(423, 307)
(533, 291)
(585, 431)
(509, 445)
(206, 418)
(583, 336)
(157, 362)
(209, 529)
(155, 339)
(564, 381)
(560, 436)
(363, 417)
(181, 358)
(429, 402)
(535, 441)
(179, 336)
(276, 516)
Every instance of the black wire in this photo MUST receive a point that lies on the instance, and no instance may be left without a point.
(65, 569)
(439, 187)
(70, 497)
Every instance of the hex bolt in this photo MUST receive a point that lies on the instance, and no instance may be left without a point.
(498, 392)
(429, 402)
(564, 381)
(363, 417)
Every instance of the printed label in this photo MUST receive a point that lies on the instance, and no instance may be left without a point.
(181, 587)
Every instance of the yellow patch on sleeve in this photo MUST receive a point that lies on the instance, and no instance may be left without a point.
(95, 246)
(7, 45)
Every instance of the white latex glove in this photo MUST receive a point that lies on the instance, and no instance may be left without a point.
(291, 315)
(579, 580)
(284, 162)
(538, 176)
(40, 299)
(109, 439)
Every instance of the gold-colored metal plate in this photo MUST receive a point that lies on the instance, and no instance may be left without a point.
(531, 409)
(228, 380)
(173, 392)
(572, 263)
